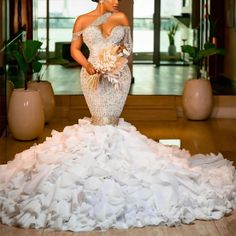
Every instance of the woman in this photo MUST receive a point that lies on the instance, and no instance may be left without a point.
(96, 176)
(103, 28)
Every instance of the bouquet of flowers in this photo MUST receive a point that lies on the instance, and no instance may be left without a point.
(108, 66)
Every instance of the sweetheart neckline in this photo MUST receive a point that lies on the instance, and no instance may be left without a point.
(103, 36)
(111, 32)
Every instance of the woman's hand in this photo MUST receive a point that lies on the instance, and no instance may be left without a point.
(90, 69)
(120, 48)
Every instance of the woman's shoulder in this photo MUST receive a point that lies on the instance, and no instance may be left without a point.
(121, 17)
(83, 20)
(85, 17)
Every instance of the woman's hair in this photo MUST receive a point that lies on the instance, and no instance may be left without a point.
(95, 0)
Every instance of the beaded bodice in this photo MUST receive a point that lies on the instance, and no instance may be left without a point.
(106, 102)
(95, 40)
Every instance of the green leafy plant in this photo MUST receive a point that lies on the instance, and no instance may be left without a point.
(27, 56)
(171, 33)
(198, 56)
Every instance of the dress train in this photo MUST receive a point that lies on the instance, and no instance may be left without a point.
(98, 177)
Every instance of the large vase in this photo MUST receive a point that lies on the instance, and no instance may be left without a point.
(25, 114)
(197, 99)
(172, 50)
(47, 95)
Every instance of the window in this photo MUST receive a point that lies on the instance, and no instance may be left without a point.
(143, 26)
(62, 15)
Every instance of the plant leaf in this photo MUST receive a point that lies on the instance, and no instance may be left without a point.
(191, 50)
(30, 49)
(210, 52)
(21, 61)
(198, 55)
(36, 66)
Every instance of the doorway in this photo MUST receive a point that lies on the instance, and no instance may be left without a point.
(143, 31)
(153, 22)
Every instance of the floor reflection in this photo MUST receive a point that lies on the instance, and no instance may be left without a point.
(148, 80)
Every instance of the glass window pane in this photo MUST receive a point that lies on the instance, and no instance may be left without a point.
(143, 26)
(41, 22)
(169, 8)
(62, 15)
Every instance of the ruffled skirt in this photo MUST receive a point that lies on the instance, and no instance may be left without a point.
(98, 177)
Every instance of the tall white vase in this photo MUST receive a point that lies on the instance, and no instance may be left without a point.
(197, 99)
(25, 114)
(47, 95)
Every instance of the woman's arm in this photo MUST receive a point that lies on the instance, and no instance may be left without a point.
(75, 48)
(126, 45)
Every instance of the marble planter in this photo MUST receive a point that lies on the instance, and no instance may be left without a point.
(47, 95)
(25, 114)
(197, 99)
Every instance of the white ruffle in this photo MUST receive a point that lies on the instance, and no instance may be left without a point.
(98, 177)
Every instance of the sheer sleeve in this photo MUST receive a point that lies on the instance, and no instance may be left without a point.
(127, 41)
(76, 35)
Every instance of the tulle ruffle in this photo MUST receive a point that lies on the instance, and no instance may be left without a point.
(98, 177)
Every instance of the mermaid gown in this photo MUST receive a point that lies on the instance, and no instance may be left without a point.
(98, 175)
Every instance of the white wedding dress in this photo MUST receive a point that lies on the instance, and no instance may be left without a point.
(98, 175)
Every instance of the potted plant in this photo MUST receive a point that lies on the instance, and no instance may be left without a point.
(197, 95)
(25, 113)
(29, 61)
(27, 57)
(171, 35)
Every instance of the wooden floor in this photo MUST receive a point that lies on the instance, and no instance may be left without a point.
(223, 227)
(148, 80)
(213, 135)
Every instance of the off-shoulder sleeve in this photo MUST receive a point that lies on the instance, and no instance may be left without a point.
(76, 35)
(127, 41)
